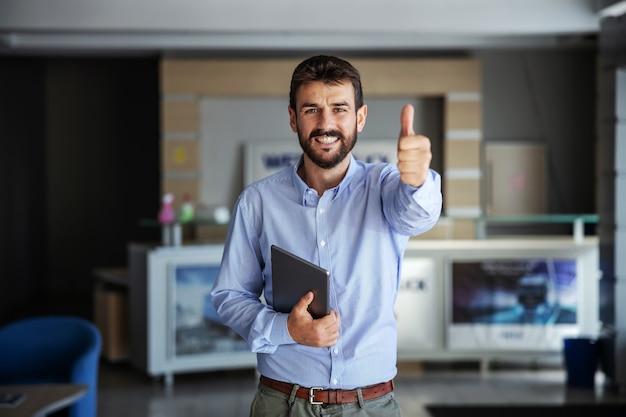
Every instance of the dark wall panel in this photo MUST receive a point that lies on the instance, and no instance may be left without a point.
(84, 153)
(22, 194)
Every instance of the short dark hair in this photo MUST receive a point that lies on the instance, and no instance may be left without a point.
(329, 70)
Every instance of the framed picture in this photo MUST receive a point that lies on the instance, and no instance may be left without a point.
(197, 328)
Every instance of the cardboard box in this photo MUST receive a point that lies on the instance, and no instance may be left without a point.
(111, 314)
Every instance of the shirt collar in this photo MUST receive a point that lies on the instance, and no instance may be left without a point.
(302, 188)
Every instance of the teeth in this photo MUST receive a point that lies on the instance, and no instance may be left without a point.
(326, 139)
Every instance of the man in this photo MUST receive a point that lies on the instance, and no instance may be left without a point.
(353, 219)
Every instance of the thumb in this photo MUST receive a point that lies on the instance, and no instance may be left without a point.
(304, 302)
(406, 121)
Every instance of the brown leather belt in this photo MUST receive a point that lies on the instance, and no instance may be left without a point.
(317, 395)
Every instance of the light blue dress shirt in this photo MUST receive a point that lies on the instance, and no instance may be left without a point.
(358, 231)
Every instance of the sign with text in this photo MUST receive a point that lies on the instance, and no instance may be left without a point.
(418, 309)
(267, 157)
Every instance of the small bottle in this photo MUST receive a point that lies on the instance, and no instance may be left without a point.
(166, 214)
(187, 212)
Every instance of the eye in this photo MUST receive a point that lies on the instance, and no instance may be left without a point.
(310, 111)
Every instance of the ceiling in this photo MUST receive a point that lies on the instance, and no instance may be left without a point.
(180, 26)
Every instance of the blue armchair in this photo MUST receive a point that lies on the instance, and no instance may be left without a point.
(50, 349)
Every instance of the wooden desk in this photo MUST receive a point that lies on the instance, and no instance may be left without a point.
(42, 399)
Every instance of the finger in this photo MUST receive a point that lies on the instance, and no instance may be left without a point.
(406, 121)
(331, 320)
(329, 327)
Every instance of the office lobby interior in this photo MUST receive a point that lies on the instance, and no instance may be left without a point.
(105, 110)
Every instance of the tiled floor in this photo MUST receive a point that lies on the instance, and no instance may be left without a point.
(127, 392)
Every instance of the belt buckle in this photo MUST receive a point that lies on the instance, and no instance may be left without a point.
(312, 395)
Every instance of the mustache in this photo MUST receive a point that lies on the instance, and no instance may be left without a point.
(320, 132)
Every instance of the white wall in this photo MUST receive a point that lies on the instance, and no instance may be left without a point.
(230, 123)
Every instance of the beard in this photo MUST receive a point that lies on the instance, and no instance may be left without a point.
(324, 159)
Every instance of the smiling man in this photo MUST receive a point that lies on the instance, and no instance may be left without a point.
(350, 217)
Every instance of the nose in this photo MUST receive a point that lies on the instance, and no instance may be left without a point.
(324, 119)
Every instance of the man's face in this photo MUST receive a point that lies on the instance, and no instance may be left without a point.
(326, 121)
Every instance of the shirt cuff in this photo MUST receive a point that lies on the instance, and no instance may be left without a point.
(279, 334)
(432, 181)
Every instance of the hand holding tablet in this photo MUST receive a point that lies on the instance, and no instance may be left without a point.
(292, 277)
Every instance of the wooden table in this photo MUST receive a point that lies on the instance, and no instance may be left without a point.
(42, 399)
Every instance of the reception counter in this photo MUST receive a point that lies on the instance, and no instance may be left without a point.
(480, 300)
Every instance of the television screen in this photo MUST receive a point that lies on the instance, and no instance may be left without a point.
(513, 303)
(198, 328)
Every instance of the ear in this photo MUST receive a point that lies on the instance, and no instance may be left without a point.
(292, 119)
(361, 115)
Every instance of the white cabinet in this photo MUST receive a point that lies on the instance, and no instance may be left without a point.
(458, 300)
(496, 298)
(174, 327)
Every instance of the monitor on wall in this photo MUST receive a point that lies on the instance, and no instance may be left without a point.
(513, 303)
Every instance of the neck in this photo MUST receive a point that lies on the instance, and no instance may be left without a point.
(322, 179)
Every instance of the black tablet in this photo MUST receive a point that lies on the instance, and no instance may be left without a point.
(292, 277)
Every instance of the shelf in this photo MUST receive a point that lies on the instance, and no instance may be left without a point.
(578, 221)
(172, 233)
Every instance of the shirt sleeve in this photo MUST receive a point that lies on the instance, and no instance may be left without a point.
(237, 293)
(412, 210)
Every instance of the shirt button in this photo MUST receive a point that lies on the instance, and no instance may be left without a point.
(322, 211)
(336, 351)
(334, 382)
(323, 243)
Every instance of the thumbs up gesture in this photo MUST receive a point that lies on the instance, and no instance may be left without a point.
(414, 153)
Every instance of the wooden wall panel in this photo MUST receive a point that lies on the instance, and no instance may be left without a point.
(463, 115)
(464, 229)
(462, 192)
(462, 158)
(228, 77)
(180, 155)
(179, 116)
(420, 77)
(462, 154)
(434, 77)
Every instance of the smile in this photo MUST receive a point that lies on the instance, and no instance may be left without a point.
(327, 139)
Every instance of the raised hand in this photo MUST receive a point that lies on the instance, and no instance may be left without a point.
(414, 154)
